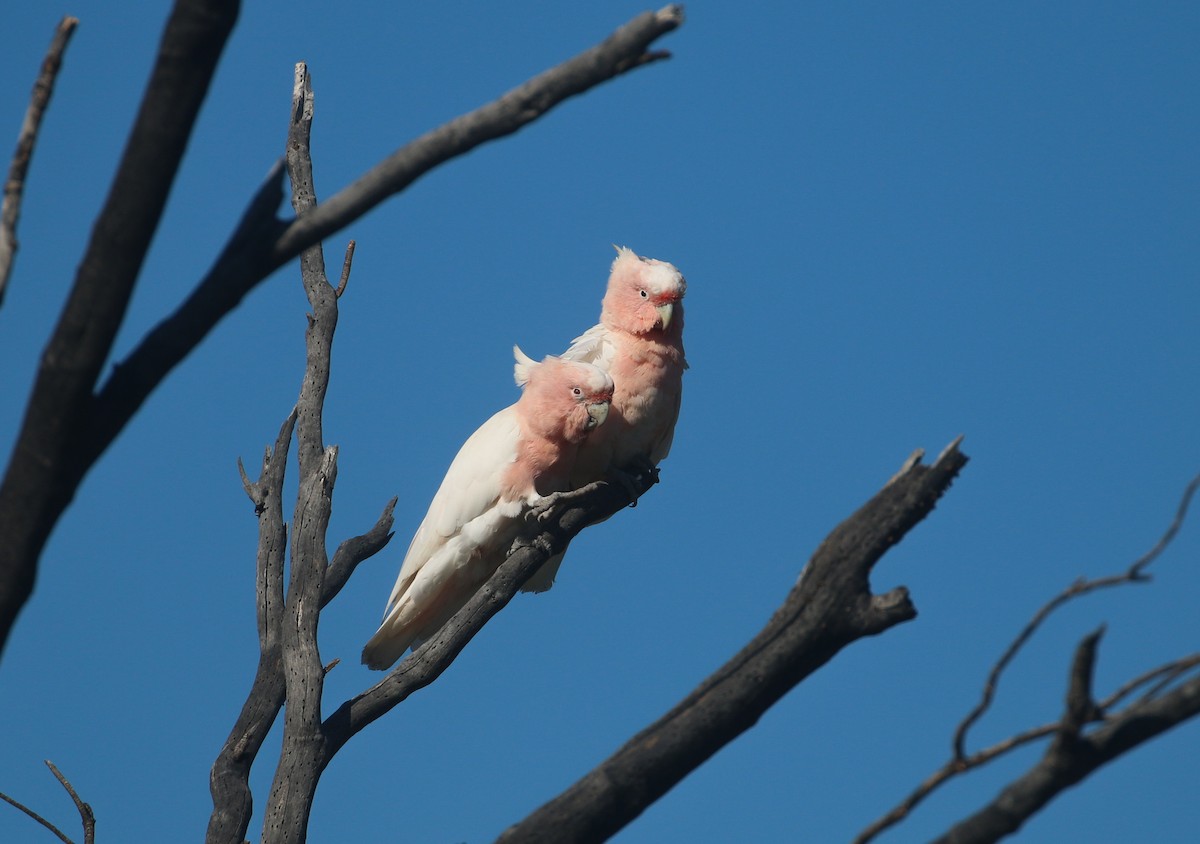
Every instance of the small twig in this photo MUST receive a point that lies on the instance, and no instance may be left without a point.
(36, 817)
(952, 768)
(1134, 574)
(341, 288)
(14, 187)
(1180, 514)
(85, 811)
(1168, 673)
(1081, 709)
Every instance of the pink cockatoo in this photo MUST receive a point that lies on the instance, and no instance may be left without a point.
(518, 457)
(639, 342)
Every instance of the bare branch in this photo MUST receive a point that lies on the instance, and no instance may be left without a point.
(1081, 708)
(229, 780)
(1164, 675)
(353, 551)
(1134, 574)
(14, 188)
(290, 800)
(16, 803)
(551, 534)
(1066, 763)
(50, 457)
(830, 607)
(349, 259)
(85, 811)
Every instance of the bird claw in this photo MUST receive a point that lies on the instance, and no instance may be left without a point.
(540, 512)
(641, 467)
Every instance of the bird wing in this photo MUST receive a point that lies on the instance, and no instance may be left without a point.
(593, 346)
(472, 485)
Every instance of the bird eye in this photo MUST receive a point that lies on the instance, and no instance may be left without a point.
(643, 294)
(575, 391)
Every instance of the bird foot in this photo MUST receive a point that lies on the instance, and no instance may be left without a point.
(627, 478)
(540, 513)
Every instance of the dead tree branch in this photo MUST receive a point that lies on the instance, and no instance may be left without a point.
(284, 623)
(86, 816)
(1072, 756)
(289, 665)
(1136, 573)
(67, 427)
(550, 535)
(14, 187)
(1081, 709)
(830, 607)
(287, 811)
(19, 805)
(49, 459)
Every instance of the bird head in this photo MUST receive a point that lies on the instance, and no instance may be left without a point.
(644, 295)
(564, 397)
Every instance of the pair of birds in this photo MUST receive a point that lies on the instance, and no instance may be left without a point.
(608, 403)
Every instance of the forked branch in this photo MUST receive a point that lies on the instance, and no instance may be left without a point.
(1099, 747)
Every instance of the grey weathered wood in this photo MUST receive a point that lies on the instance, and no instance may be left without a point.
(1071, 758)
(830, 606)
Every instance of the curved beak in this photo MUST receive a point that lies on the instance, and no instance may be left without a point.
(597, 413)
(664, 313)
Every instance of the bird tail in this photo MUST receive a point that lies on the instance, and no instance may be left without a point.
(384, 648)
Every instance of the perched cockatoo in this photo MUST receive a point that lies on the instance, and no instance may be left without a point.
(522, 454)
(639, 342)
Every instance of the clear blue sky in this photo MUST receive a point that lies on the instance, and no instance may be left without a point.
(899, 223)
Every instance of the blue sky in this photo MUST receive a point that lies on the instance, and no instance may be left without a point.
(899, 223)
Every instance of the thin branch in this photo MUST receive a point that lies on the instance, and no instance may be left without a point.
(14, 187)
(229, 780)
(50, 456)
(1079, 694)
(954, 767)
(58, 832)
(1167, 675)
(830, 607)
(341, 288)
(1067, 762)
(550, 534)
(353, 551)
(623, 51)
(1134, 574)
(290, 800)
(85, 811)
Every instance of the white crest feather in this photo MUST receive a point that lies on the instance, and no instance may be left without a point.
(523, 368)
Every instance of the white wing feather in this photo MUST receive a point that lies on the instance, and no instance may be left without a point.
(471, 488)
(593, 346)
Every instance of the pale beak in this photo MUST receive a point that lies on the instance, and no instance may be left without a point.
(664, 313)
(597, 413)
